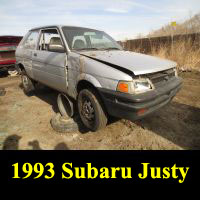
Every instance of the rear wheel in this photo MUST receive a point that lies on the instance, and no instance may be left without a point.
(91, 110)
(28, 84)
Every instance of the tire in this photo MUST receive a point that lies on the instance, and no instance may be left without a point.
(63, 124)
(65, 105)
(89, 100)
(27, 83)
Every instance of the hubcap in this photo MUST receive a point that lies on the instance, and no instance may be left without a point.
(88, 110)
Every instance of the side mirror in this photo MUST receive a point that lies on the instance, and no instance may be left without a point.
(56, 48)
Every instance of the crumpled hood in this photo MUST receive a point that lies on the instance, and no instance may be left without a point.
(135, 62)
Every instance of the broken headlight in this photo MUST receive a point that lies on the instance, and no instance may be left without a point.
(142, 85)
(136, 86)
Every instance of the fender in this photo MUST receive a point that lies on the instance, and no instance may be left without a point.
(89, 78)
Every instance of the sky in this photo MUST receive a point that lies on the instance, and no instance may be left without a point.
(122, 19)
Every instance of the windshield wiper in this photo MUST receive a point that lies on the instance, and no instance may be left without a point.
(93, 48)
(90, 48)
(111, 48)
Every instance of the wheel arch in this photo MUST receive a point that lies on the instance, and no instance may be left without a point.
(85, 84)
(87, 81)
(20, 67)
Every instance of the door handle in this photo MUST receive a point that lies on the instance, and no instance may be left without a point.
(35, 54)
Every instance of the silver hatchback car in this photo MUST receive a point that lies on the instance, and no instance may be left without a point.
(90, 68)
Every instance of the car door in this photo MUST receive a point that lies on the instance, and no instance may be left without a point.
(27, 49)
(49, 67)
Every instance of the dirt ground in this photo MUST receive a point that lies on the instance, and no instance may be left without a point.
(25, 122)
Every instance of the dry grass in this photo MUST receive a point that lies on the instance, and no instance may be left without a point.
(185, 53)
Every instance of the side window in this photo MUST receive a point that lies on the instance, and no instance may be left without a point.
(31, 40)
(49, 36)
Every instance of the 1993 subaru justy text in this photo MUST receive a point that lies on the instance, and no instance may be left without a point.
(90, 67)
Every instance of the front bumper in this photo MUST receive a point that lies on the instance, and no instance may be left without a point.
(135, 107)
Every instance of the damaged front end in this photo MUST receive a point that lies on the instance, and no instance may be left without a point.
(149, 93)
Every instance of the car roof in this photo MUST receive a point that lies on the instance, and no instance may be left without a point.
(41, 27)
(58, 26)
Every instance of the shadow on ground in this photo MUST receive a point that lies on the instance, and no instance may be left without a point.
(12, 143)
(3, 74)
(178, 123)
(50, 96)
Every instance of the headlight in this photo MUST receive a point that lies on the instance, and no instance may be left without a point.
(136, 86)
(142, 85)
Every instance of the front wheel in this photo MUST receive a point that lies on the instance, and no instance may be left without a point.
(91, 110)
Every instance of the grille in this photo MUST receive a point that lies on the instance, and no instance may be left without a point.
(161, 77)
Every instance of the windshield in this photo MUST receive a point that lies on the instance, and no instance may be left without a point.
(89, 39)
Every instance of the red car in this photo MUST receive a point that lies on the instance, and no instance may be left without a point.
(8, 45)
